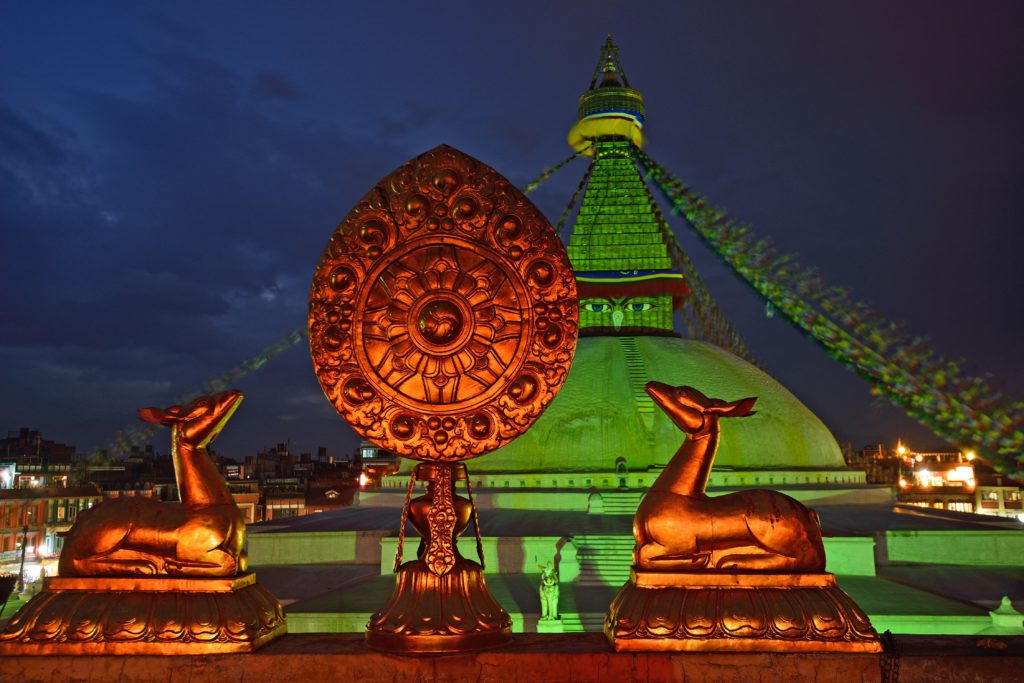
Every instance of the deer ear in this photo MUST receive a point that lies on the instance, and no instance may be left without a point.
(741, 408)
(151, 415)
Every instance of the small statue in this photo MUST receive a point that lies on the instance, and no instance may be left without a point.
(548, 592)
(679, 528)
(203, 536)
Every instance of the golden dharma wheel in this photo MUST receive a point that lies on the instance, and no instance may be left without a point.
(443, 313)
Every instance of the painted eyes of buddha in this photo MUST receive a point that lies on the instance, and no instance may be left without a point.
(607, 307)
(618, 312)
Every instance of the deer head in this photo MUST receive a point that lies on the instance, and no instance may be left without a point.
(692, 411)
(200, 421)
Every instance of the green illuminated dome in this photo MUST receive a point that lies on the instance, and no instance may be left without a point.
(602, 413)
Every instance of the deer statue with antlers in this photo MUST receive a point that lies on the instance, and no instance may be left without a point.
(203, 536)
(679, 528)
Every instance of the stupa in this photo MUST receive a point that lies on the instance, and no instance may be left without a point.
(603, 421)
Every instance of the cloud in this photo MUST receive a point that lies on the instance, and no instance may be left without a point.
(40, 163)
(274, 85)
(409, 119)
(188, 249)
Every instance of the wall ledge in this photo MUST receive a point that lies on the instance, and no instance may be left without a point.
(537, 658)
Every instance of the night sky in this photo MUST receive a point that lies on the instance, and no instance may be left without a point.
(170, 175)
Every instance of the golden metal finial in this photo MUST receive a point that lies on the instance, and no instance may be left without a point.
(608, 63)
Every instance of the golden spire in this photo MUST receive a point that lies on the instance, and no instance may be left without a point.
(609, 108)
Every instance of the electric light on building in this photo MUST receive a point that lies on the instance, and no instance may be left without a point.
(924, 477)
(964, 473)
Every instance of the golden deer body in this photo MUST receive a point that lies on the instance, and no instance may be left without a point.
(203, 536)
(679, 528)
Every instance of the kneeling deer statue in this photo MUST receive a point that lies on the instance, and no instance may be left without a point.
(679, 528)
(203, 536)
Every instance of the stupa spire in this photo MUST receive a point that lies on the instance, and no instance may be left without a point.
(612, 70)
(609, 107)
(626, 277)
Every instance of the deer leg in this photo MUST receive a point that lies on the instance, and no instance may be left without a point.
(200, 551)
(214, 563)
(759, 562)
(119, 562)
(656, 556)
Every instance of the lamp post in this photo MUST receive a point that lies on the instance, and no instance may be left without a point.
(24, 548)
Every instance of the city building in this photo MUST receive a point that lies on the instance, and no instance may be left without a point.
(27, 459)
(38, 516)
(375, 463)
(957, 481)
(879, 464)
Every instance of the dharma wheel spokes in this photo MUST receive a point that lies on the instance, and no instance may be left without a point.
(443, 319)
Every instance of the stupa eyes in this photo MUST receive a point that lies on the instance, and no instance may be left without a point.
(632, 307)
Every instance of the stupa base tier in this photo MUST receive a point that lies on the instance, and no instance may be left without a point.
(451, 612)
(145, 615)
(681, 612)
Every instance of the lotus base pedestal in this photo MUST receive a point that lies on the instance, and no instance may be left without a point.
(145, 615)
(734, 612)
(450, 612)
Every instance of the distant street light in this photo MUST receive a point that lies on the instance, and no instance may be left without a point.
(24, 548)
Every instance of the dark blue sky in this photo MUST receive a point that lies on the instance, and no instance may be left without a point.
(169, 175)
